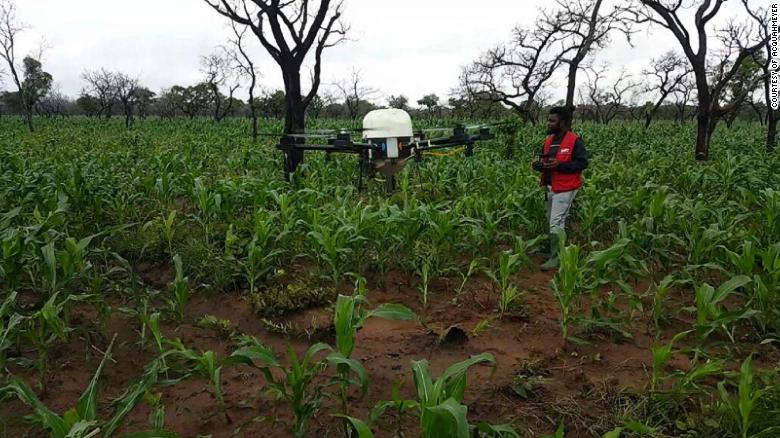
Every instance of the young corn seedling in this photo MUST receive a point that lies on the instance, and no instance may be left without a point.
(440, 401)
(298, 386)
(156, 410)
(12, 253)
(166, 227)
(508, 263)
(744, 263)
(181, 290)
(566, 285)
(204, 364)
(349, 317)
(10, 322)
(661, 356)
(658, 311)
(209, 204)
(332, 246)
(42, 329)
(401, 406)
(82, 420)
(711, 315)
(740, 408)
(474, 267)
(261, 256)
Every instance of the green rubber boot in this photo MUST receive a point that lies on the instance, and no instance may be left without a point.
(553, 262)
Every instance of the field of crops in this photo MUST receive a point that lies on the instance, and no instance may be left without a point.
(167, 279)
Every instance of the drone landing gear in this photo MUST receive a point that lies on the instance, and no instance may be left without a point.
(292, 159)
(390, 184)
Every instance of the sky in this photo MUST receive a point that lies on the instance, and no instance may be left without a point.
(410, 47)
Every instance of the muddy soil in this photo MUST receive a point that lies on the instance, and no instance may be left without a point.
(582, 386)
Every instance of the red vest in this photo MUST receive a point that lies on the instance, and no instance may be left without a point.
(563, 182)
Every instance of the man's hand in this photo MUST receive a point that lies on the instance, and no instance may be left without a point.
(551, 164)
(537, 166)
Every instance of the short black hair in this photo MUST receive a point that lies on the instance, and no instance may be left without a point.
(563, 113)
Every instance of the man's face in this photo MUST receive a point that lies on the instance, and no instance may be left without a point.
(554, 124)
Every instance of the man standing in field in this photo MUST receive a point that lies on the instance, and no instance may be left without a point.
(561, 164)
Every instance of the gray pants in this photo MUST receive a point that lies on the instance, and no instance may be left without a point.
(558, 208)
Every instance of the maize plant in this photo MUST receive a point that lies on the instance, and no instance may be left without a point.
(567, 285)
(206, 365)
(299, 386)
(181, 290)
(711, 315)
(661, 355)
(740, 408)
(82, 420)
(440, 400)
(349, 317)
(508, 263)
(42, 329)
(10, 322)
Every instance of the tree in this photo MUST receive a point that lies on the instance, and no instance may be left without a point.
(33, 83)
(246, 69)
(739, 40)
(666, 74)
(430, 102)
(289, 31)
(88, 104)
(35, 86)
(467, 104)
(514, 74)
(167, 105)
(272, 104)
(219, 72)
(102, 85)
(355, 94)
(319, 104)
(586, 28)
(54, 104)
(126, 89)
(398, 102)
(683, 96)
(192, 101)
(144, 99)
(606, 103)
(740, 89)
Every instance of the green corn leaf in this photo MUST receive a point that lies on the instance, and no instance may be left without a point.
(133, 396)
(249, 354)
(423, 382)
(344, 322)
(358, 426)
(393, 312)
(446, 420)
(87, 405)
(42, 415)
(337, 358)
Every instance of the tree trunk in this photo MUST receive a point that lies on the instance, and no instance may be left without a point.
(253, 108)
(295, 116)
(28, 117)
(704, 128)
(572, 85)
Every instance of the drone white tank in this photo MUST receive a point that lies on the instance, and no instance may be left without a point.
(386, 123)
(388, 126)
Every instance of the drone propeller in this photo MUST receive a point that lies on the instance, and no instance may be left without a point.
(296, 135)
(436, 130)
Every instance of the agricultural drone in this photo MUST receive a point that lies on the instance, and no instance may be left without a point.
(388, 143)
